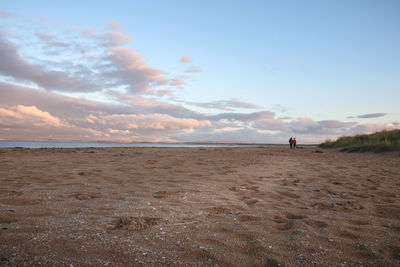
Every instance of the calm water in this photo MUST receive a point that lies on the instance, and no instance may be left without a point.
(47, 144)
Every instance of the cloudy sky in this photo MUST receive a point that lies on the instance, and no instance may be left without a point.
(167, 71)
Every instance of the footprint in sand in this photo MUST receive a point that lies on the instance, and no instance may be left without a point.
(316, 223)
(83, 196)
(350, 235)
(248, 218)
(132, 223)
(218, 210)
(338, 206)
(160, 194)
(292, 216)
(251, 202)
(234, 189)
(288, 194)
(358, 222)
(164, 194)
(282, 224)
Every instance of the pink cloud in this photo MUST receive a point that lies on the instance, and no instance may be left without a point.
(163, 122)
(103, 64)
(375, 127)
(169, 93)
(5, 14)
(130, 60)
(45, 117)
(116, 39)
(176, 82)
(133, 71)
(28, 115)
(119, 132)
(115, 25)
(6, 113)
(186, 60)
(139, 101)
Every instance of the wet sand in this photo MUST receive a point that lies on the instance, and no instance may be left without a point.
(252, 206)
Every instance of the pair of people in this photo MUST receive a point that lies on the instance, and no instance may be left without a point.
(292, 143)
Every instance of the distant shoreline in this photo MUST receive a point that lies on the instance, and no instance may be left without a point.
(83, 144)
(121, 142)
(155, 143)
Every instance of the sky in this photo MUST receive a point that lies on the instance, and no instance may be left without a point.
(198, 71)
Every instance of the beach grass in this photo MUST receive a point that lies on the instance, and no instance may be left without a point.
(387, 140)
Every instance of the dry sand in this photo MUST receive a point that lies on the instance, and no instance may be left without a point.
(252, 206)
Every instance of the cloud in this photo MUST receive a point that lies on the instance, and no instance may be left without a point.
(263, 127)
(193, 69)
(12, 65)
(374, 127)
(34, 112)
(45, 37)
(58, 44)
(115, 25)
(58, 105)
(185, 60)
(89, 32)
(226, 105)
(5, 14)
(306, 126)
(51, 40)
(176, 82)
(91, 62)
(129, 69)
(115, 39)
(45, 113)
(143, 106)
(255, 116)
(27, 115)
(140, 104)
(335, 124)
(31, 113)
(144, 122)
(165, 92)
(371, 115)
(163, 121)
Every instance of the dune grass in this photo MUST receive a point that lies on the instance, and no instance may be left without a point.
(388, 140)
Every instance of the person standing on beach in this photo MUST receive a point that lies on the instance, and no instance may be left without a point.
(294, 143)
(291, 142)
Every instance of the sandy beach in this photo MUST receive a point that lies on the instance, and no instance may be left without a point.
(246, 206)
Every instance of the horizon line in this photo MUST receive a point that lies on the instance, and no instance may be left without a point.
(143, 142)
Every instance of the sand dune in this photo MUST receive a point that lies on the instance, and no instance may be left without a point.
(254, 206)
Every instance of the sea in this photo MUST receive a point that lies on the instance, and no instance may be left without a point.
(54, 144)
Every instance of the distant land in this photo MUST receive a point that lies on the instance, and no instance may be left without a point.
(144, 142)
